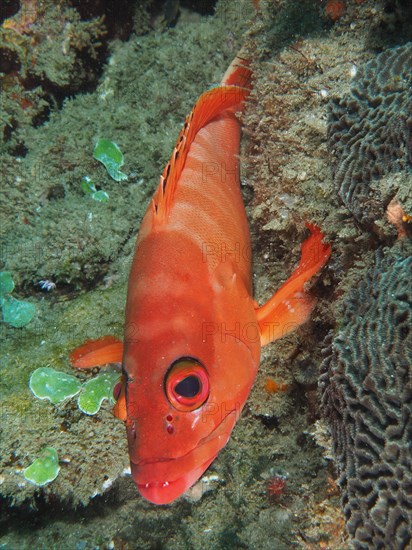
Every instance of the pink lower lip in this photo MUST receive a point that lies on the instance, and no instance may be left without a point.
(165, 492)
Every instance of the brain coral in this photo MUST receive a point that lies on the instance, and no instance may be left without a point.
(366, 396)
(370, 134)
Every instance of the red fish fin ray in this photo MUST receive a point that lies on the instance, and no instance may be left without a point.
(286, 317)
(209, 106)
(314, 255)
(93, 353)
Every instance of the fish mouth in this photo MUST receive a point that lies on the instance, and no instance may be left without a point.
(161, 481)
(165, 492)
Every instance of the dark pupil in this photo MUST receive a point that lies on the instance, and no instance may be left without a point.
(188, 387)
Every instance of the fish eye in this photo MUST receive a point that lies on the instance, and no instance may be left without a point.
(187, 384)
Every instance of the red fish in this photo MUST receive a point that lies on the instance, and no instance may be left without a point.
(193, 332)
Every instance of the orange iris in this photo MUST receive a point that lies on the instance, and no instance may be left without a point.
(187, 384)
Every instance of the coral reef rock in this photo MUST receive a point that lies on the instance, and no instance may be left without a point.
(366, 393)
(370, 134)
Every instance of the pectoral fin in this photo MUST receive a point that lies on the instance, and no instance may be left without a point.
(290, 306)
(119, 410)
(94, 353)
(286, 317)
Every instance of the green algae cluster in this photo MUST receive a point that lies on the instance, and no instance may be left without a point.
(57, 386)
(109, 154)
(96, 390)
(90, 189)
(16, 313)
(44, 469)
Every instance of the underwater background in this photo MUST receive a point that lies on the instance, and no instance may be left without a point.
(321, 456)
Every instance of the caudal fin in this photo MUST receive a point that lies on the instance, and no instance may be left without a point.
(290, 306)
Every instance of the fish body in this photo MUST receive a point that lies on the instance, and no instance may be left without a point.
(190, 287)
(193, 332)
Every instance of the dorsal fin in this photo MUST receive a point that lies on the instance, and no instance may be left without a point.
(209, 105)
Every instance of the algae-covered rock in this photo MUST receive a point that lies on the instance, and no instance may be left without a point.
(138, 104)
(52, 42)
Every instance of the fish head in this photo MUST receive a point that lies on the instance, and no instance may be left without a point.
(181, 409)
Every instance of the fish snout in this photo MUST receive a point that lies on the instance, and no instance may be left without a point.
(155, 480)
